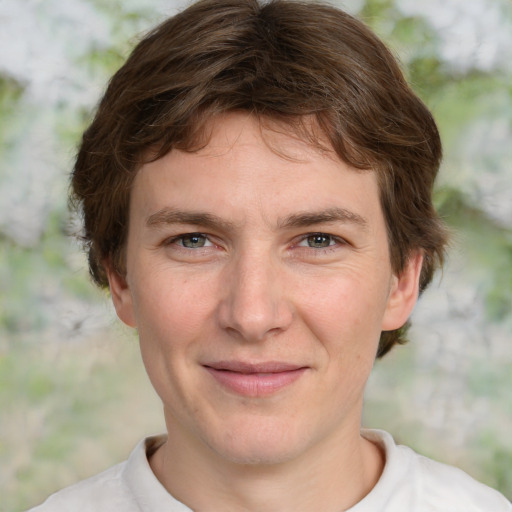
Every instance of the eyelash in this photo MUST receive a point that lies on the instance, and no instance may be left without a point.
(331, 238)
(181, 238)
(308, 237)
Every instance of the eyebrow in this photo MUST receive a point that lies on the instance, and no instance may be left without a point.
(167, 216)
(330, 215)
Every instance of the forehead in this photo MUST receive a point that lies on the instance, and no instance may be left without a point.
(296, 139)
(249, 164)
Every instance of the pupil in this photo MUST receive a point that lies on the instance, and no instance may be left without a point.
(194, 241)
(319, 241)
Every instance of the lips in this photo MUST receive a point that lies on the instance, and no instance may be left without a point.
(254, 379)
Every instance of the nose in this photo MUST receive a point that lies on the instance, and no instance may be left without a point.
(254, 305)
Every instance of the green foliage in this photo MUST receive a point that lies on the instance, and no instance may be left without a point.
(496, 455)
(10, 94)
(487, 247)
(33, 276)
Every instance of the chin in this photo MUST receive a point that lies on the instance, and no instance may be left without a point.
(267, 444)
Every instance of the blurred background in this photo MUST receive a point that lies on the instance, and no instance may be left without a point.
(74, 398)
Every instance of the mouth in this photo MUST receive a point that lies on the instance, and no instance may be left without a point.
(254, 380)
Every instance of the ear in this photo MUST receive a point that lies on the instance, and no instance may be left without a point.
(403, 294)
(121, 295)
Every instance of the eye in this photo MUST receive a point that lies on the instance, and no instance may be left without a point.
(192, 241)
(318, 241)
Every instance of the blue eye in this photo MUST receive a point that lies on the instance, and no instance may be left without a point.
(318, 240)
(193, 240)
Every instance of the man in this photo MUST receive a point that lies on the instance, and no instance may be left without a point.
(256, 192)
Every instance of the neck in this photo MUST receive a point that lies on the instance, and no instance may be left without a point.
(333, 475)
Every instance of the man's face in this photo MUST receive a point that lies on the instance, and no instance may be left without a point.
(258, 277)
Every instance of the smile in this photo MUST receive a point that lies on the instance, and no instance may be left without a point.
(254, 380)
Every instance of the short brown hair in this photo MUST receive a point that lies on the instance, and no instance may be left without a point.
(284, 60)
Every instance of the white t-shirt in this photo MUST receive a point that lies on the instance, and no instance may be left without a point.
(409, 483)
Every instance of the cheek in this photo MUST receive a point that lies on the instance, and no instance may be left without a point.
(346, 325)
(171, 309)
(173, 319)
(166, 282)
(345, 310)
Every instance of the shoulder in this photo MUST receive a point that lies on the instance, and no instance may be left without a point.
(117, 488)
(455, 489)
(418, 483)
(98, 493)
(129, 486)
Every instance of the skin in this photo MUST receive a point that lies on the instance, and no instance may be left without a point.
(286, 281)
